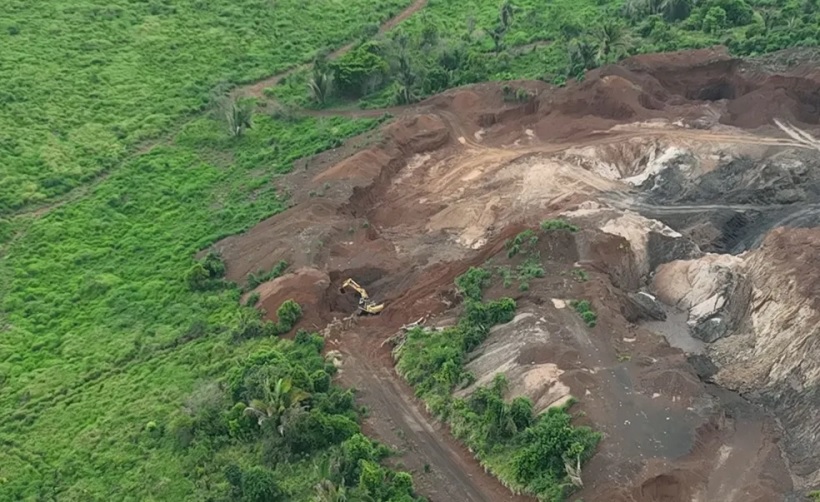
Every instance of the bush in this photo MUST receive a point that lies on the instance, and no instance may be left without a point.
(255, 279)
(472, 282)
(584, 309)
(259, 485)
(550, 225)
(527, 238)
(288, 313)
(207, 273)
(252, 300)
(359, 71)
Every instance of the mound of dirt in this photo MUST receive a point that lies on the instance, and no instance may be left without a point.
(306, 286)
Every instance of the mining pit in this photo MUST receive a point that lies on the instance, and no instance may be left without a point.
(695, 180)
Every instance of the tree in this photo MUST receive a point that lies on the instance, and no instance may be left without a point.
(714, 20)
(505, 19)
(612, 40)
(320, 85)
(259, 485)
(275, 401)
(288, 313)
(675, 10)
(402, 66)
(505, 16)
(237, 115)
(359, 71)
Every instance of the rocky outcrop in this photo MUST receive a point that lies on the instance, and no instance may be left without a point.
(650, 241)
(645, 307)
(715, 290)
(761, 314)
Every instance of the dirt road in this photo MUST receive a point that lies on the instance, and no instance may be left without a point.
(444, 471)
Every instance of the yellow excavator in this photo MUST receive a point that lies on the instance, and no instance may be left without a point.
(366, 305)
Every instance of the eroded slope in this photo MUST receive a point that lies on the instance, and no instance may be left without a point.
(644, 158)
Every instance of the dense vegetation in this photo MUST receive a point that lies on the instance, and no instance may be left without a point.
(105, 327)
(451, 44)
(537, 454)
(274, 428)
(82, 82)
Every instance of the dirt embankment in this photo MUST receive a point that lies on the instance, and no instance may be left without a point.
(449, 180)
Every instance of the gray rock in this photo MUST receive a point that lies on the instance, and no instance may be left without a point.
(647, 307)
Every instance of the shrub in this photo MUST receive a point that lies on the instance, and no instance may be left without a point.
(207, 273)
(259, 485)
(527, 238)
(544, 448)
(252, 300)
(255, 279)
(584, 309)
(359, 71)
(288, 313)
(550, 225)
(472, 282)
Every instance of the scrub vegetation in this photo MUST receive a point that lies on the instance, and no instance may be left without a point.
(536, 454)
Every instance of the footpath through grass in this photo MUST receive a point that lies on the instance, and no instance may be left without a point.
(83, 81)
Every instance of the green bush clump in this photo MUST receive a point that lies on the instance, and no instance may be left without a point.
(255, 279)
(524, 240)
(550, 225)
(472, 282)
(584, 309)
(433, 361)
(207, 273)
(279, 409)
(248, 323)
(288, 313)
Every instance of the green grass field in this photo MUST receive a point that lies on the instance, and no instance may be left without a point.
(84, 81)
(95, 307)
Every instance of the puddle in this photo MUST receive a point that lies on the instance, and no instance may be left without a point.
(676, 331)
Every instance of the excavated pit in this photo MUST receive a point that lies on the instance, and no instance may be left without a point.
(662, 161)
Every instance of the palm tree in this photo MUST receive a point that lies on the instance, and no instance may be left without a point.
(505, 16)
(326, 489)
(582, 56)
(237, 115)
(320, 85)
(276, 400)
(612, 40)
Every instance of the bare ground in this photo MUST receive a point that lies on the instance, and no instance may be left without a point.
(455, 176)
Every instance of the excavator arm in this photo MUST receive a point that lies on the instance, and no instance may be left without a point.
(350, 283)
(366, 305)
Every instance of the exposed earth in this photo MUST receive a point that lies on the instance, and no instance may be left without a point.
(695, 180)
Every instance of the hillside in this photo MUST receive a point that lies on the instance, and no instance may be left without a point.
(186, 184)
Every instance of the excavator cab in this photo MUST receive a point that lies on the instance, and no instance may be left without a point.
(366, 305)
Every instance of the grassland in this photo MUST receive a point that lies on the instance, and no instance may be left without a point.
(82, 82)
(102, 340)
(95, 299)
